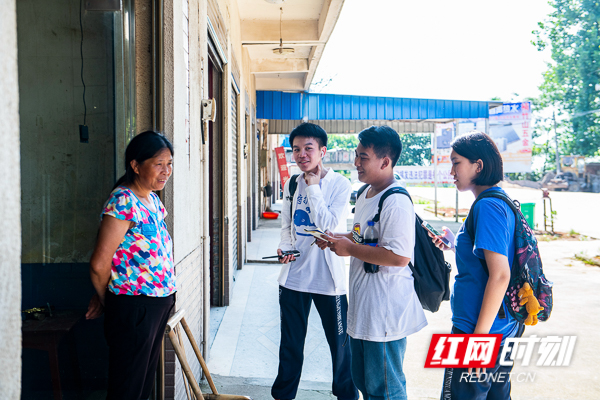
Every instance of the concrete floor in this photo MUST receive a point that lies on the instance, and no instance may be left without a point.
(244, 353)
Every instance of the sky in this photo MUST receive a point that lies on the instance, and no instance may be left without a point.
(436, 49)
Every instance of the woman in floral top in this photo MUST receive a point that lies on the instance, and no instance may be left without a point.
(132, 268)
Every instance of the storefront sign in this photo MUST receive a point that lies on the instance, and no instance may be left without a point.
(284, 173)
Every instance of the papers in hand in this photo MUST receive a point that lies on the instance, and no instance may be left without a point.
(319, 234)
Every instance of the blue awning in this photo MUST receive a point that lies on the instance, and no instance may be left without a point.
(316, 106)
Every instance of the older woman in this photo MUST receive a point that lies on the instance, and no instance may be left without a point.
(132, 268)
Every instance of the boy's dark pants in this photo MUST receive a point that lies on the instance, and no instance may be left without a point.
(295, 308)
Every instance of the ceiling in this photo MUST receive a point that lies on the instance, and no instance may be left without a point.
(306, 26)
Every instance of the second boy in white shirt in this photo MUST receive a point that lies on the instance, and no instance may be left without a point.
(384, 308)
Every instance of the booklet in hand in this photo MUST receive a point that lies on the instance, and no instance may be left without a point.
(319, 234)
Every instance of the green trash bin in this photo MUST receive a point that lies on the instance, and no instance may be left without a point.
(528, 210)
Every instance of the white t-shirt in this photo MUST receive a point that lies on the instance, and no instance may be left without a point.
(384, 306)
(322, 206)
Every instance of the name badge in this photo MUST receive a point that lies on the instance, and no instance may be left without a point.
(149, 229)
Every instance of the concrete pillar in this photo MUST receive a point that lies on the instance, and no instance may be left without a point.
(10, 200)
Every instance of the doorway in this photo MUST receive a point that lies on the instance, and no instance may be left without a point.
(216, 174)
(75, 69)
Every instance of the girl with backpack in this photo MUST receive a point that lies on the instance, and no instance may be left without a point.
(484, 266)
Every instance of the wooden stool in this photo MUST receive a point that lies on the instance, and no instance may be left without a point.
(180, 352)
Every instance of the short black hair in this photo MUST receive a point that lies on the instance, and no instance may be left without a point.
(306, 129)
(479, 146)
(384, 140)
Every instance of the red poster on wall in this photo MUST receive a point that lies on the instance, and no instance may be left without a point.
(282, 163)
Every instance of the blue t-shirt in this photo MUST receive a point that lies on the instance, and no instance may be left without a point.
(494, 224)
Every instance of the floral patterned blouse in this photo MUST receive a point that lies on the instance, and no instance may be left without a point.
(143, 263)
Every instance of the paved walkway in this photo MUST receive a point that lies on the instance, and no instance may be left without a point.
(244, 352)
(574, 210)
(264, 241)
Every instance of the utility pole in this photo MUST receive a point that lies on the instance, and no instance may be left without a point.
(435, 172)
(556, 139)
(456, 209)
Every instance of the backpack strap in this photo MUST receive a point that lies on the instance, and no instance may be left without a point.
(514, 205)
(387, 194)
(292, 189)
(358, 193)
(361, 190)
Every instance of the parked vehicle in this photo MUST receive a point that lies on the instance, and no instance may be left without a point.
(558, 183)
(577, 175)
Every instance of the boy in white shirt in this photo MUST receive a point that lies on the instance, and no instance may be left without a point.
(319, 201)
(384, 308)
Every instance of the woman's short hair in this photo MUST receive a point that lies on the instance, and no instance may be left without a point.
(141, 148)
(306, 129)
(479, 146)
(384, 140)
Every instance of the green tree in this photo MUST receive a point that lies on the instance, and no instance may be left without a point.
(416, 149)
(572, 33)
(345, 142)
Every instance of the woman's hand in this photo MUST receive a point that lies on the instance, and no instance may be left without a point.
(285, 259)
(95, 308)
(439, 243)
(479, 371)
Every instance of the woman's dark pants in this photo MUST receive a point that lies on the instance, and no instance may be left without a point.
(134, 327)
(457, 386)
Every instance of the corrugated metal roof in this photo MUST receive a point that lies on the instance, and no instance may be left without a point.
(284, 127)
(317, 106)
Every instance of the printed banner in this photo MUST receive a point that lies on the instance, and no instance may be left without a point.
(424, 174)
(444, 134)
(466, 125)
(284, 173)
(510, 129)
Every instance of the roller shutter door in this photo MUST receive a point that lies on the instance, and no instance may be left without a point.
(233, 215)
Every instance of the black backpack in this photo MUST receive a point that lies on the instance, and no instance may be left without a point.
(431, 272)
